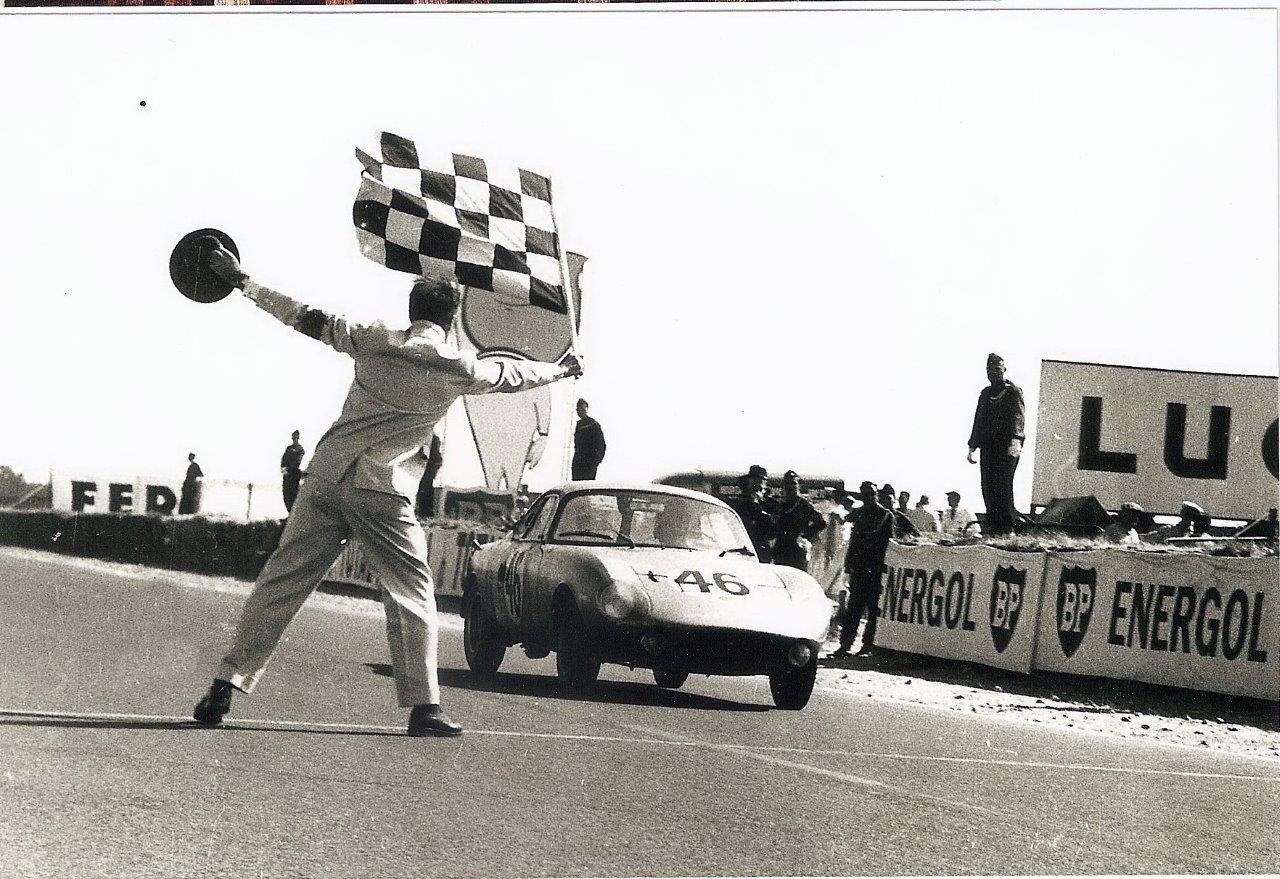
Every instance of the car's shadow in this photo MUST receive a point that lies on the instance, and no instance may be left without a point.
(605, 691)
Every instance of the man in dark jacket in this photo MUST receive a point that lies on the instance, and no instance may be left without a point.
(189, 503)
(291, 470)
(588, 445)
(425, 502)
(864, 561)
(902, 526)
(757, 511)
(797, 519)
(998, 432)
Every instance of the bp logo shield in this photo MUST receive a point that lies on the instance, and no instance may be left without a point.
(1007, 588)
(1076, 590)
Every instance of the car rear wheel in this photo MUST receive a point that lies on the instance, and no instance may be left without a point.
(480, 641)
(671, 680)
(792, 687)
(575, 667)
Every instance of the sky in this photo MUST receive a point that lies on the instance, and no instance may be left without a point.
(806, 228)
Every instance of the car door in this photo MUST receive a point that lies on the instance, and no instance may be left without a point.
(520, 571)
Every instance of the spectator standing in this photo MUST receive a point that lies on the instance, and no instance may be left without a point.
(902, 526)
(797, 520)
(189, 503)
(956, 520)
(922, 517)
(757, 511)
(588, 444)
(291, 470)
(836, 531)
(425, 502)
(863, 562)
(998, 432)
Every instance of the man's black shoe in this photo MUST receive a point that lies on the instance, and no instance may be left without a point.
(839, 654)
(215, 705)
(429, 720)
(866, 651)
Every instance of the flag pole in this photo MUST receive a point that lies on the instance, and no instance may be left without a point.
(571, 310)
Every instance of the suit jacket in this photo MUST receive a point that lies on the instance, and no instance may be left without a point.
(405, 381)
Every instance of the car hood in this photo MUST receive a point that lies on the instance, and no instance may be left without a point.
(733, 591)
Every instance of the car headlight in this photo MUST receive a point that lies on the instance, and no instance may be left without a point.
(618, 601)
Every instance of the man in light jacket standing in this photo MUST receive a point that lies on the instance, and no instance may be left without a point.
(356, 486)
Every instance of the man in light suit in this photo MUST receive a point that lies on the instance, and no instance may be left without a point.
(357, 486)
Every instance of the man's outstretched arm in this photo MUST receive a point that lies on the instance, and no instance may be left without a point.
(334, 330)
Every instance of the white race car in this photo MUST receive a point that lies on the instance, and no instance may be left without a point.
(647, 576)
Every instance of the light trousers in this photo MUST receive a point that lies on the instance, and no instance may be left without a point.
(395, 547)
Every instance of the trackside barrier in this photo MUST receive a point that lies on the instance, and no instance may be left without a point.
(1187, 620)
(972, 603)
(1180, 619)
(449, 549)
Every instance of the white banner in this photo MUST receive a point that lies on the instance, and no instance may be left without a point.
(972, 603)
(1156, 437)
(160, 495)
(1181, 619)
(448, 551)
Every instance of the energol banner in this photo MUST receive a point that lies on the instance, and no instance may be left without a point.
(1181, 619)
(972, 603)
(1157, 437)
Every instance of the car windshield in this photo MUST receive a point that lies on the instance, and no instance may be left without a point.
(618, 518)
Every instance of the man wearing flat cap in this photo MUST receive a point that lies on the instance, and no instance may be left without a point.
(998, 432)
(756, 509)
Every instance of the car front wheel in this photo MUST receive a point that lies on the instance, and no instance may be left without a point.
(480, 642)
(575, 666)
(792, 687)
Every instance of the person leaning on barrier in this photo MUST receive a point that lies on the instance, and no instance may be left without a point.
(956, 520)
(864, 561)
(1193, 521)
(1124, 530)
(356, 486)
(922, 517)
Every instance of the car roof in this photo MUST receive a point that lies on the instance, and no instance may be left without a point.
(648, 487)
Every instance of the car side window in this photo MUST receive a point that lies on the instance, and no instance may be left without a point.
(522, 527)
(541, 522)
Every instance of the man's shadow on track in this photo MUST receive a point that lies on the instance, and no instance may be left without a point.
(64, 721)
(604, 691)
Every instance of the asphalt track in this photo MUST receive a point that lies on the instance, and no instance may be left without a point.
(102, 775)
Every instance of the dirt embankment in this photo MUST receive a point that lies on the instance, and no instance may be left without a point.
(1125, 709)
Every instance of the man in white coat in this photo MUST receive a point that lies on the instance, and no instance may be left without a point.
(357, 487)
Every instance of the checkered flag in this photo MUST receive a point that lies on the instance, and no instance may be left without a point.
(489, 228)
